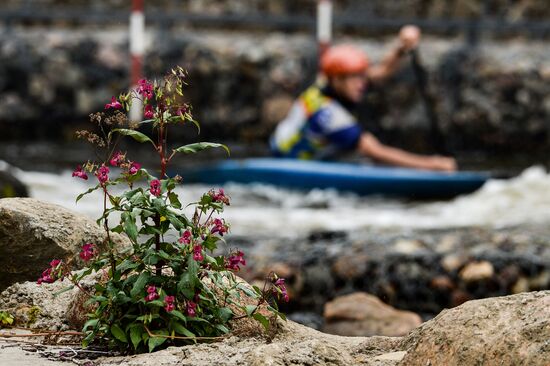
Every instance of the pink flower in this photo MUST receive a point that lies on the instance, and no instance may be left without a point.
(186, 237)
(197, 253)
(191, 309)
(88, 251)
(134, 168)
(148, 112)
(182, 110)
(280, 288)
(151, 293)
(169, 303)
(235, 261)
(54, 263)
(219, 227)
(46, 277)
(117, 159)
(51, 274)
(102, 174)
(145, 88)
(114, 104)
(155, 187)
(219, 196)
(80, 173)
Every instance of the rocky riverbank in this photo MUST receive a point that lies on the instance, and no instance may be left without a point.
(512, 330)
(424, 271)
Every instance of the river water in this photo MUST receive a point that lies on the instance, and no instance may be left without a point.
(261, 210)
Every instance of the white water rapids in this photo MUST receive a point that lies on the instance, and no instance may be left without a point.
(266, 210)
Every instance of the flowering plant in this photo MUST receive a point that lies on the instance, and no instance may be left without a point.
(168, 288)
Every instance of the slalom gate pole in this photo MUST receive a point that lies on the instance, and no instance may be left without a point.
(137, 49)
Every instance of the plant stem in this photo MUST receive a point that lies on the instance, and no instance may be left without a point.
(161, 147)
(106, 227)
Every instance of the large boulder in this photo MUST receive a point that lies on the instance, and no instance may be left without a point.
(512, 330)
(361, 314)
(32, 233)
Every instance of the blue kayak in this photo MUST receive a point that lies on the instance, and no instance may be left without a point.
(360, 179)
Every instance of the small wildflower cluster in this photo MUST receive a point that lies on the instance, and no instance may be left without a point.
(161, 291)
(53, 273)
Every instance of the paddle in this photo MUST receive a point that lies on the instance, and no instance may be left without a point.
(421, 76)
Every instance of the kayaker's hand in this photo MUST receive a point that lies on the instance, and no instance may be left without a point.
(409, 36)
(443, 163)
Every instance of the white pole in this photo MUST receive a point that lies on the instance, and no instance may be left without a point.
(137, 49)
(324, 25)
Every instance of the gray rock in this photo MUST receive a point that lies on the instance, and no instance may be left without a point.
(511, 330)
(361, 314)
(32, 233)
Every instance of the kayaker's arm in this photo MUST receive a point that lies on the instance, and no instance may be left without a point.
(370, 146)
(409, 36)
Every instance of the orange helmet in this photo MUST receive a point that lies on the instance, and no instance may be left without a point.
(343, 59)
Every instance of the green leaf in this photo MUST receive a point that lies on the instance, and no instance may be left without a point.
(173, 197)
(135, 335)
(178, 225)
(154, 342)
(186, 286)
(87, 192)
(136, 135)
(90, 323)
(130, 226)
(246, 290)
(198, 146)
(182, 330)
(126, 265)
(262, 319)
(225, 314)
(222, 327)
(140, 283)
(178, 315)
(118, 333)
(251, 309)
(63, 290)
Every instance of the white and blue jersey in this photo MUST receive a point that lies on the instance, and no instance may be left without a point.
(316, 127)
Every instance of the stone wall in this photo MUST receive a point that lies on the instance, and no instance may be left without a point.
(510, 10)
(493, 98)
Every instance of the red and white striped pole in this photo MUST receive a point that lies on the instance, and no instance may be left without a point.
(137, 49)
(324, 25)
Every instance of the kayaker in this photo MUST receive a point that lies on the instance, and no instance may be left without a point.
(321, 122)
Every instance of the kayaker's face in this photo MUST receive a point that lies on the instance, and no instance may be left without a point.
(350, 86)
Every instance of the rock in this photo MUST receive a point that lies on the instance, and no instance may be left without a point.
(10, 186)
(452, 262)
(361, 314)
(511, 330)
(405, 246)
(477, 271)
(350, 267)
(35, 306)
(443, 283)
(308, 319)
(521, 285)
(32, 233)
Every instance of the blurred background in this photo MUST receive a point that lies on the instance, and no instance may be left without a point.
(488, 67)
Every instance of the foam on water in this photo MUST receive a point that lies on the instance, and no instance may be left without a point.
(267, 210)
